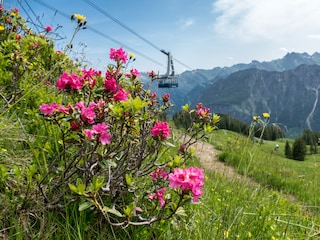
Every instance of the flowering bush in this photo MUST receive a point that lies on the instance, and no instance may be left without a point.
(114, 150)
(28, 60)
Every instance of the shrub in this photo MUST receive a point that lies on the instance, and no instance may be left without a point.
(115, 152)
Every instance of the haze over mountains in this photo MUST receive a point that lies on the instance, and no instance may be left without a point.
(287, 88)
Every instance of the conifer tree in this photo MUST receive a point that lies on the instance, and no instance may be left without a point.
(299, 149)
(287, 150)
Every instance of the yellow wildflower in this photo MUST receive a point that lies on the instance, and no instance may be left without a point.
(256, 118)
(131, 55)
(266, 115)
(1, 28)
(79, 17)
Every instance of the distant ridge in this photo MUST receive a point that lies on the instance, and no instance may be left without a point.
(284, 87)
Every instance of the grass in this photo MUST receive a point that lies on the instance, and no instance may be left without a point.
(230, 209)
(271, 168)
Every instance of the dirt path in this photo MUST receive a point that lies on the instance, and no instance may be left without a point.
(207, 156)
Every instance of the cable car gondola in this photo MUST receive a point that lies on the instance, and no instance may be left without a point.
(168, 80)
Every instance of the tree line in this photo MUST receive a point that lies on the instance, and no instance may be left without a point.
(271, 132)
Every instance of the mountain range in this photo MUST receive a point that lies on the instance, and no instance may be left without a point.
(287, 88)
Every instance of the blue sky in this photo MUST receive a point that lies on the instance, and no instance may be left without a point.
(199, 33)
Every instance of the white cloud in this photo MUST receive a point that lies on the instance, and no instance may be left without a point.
(283, 49)
(185, 23)
(314, 36)
(267, 19)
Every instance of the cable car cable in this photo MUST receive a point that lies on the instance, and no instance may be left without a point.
(97, 32)
(129, 29)
(120, 23)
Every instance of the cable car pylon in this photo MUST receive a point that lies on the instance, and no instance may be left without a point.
(167, 80)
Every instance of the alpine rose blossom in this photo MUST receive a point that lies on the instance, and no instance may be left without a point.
(118, 55)
(189, 180)
(88, 76)
(134, 73)
(48, 28)
(110, 85)
(88, 115)
(198, 106)
(159, 194)
(49, 109)
(166, 97)
(99, 130)
(68, 82)
(159, 173)
(203, 112)
(120, 95)
(161, 129)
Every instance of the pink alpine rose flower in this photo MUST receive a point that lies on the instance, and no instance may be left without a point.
(75, 125)
(118, 55)
(159, 173)
(110, 85)
(99, 130)
(159, 194)
(88, 76)
(120, 95)
(152, 74)
(88, 115)
(134, 73)
(189, 180)
(48, 109)
(161, 130)
(198, 106)
(48, 28)
(203, 112)
(99, 107)
(166, 97)
(63, 109)
(68, 82)
(154, 95)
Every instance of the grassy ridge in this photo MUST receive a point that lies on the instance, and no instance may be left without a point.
(271, 168)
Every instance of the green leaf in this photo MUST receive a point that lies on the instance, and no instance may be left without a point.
(97, 183)
(208, 128)
(108, 163)
(177, 159)
(128, 179)
(128, 210)
(113, 211)
(181, 212)
(168, 144)
(186, 107)
(138, 104)
(81, 188)
(85, 205)
(73, 188)
(215, 118)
